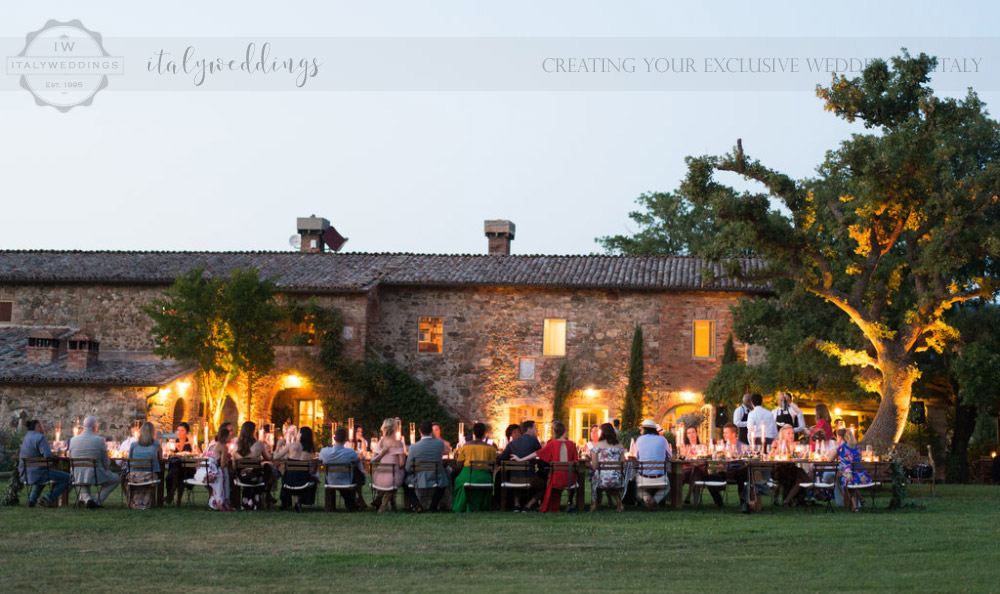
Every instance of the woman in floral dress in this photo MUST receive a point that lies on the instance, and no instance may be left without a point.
(215, 474)
(607, 449)
(847, 456)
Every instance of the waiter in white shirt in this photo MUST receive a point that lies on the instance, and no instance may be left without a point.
(740, 418)
(758, 417)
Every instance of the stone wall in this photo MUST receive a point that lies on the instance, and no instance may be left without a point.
(113, 313)
(487, 331)
(115, 407)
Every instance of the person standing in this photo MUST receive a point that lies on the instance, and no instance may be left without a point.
(90, 445)
(761, 417)
(789, 414)
(740, 418)
(36, 446)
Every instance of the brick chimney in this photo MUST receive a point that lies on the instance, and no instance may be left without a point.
(44, 347)
(82, 352)
(311, 230)
(500, 234)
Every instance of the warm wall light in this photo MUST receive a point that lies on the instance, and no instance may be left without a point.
(590, 392)
(689, 396)
(293, 381)
(836, 411)
(183, 386)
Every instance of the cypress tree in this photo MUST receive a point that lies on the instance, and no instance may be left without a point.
(562, 390)
(632, 410)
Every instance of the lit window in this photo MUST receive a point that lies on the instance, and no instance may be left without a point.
(430, 335)
(704, 339)
(310, 413)
(554, 338)
(6, 310)
(526, 369)
(520, 414)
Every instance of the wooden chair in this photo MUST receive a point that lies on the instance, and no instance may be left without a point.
(567, 469)
(817, 482)
(141, 465)
(83, 464)
(191, 483)
(243, 464)
(419, 468)
(708, 483)
(384, 468)
(514, 476)
(308, 466)
(332, 490)
(618, 467)
(875, 472)
(651, 476)
(488, 466)
(37, 463)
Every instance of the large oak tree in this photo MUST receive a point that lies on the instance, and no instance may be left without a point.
(900, 223)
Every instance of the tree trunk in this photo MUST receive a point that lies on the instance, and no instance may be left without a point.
(896, 389)
(958, 452)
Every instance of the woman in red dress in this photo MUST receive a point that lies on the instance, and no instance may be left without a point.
(559, 449)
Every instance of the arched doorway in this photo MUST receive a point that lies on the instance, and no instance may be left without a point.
(180, 410)
(231, 412)
(298, 404)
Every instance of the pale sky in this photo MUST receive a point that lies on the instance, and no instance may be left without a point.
(414, 171)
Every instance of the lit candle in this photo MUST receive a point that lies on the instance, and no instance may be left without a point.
(206, 432)
(57, 435)
(350, 429)
(461, 432)
(413, 433)
(547, 428)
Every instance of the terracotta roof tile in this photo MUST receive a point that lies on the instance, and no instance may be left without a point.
(330, 272)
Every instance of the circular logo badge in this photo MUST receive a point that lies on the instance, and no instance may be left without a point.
(64, 65)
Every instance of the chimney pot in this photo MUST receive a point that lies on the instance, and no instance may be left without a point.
(311, 230)
(500, 233)
(82, 352)
(44, 347)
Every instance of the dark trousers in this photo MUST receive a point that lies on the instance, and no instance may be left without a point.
(738, 476)
(62, 481)
(411, 496)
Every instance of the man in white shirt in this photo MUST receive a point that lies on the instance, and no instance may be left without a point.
(759, 417)
(740, 418)
(789, 414)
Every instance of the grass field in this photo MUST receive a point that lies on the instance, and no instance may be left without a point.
(952, 544)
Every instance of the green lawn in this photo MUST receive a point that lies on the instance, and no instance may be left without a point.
(953, 544)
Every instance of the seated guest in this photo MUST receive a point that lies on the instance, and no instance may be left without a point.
(735, 472)
(557, 449)
(823, 421)
(340, 453)
(653, 448)
(519, 449)
(690, 449)
(126, 445)
(438, 435)
(215, 472)
(360, 444)
(512, 432)
(606, 449)
(90, 445)
(35, 445)
(595, 436)
(427, 450)
(146, 447)
(176, 473)
(476, 450)
(847, 455)
(388, 450)
(787, 474)
(289, 434)
(302, 450)
(248, 447)
(266, 438)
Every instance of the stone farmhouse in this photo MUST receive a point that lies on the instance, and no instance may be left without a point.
(486, 333)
